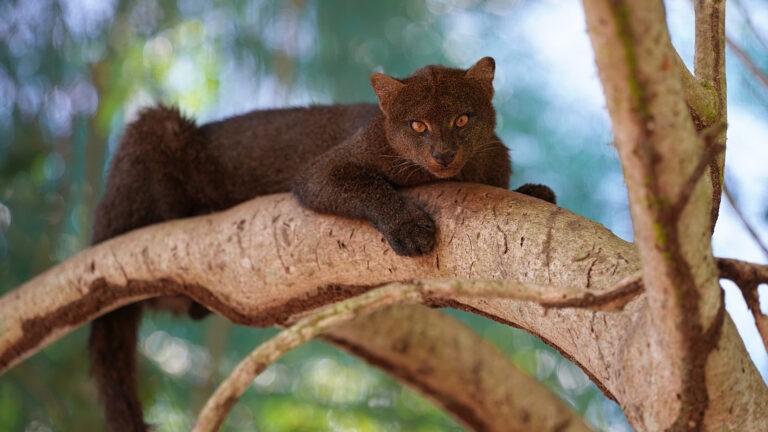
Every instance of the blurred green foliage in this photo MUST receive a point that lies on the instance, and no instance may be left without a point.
(72, 72)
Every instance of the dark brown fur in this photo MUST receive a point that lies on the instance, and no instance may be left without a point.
(347, 160)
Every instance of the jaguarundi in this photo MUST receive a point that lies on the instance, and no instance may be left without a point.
(346, 160)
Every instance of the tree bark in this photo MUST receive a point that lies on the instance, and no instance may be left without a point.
(687, 367)
(439, 356)
(268, 260)
(464, 374)
(670, 355)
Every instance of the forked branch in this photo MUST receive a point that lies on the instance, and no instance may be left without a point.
(664, 157)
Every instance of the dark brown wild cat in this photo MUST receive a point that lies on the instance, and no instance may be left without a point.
(347, 160)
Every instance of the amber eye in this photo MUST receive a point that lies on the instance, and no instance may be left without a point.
(418, 126)
(461, 120)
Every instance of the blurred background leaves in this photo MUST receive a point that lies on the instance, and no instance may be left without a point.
(73, 72)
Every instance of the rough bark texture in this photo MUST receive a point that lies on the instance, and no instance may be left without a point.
(674, 200)
(436, 354)
(408, 352)
(267, 260)
(262, 262)
(670, 357)
(709, 66)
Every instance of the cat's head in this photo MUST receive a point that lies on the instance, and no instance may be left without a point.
(439, 117)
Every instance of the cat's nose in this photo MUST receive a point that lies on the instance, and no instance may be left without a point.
(444, 158)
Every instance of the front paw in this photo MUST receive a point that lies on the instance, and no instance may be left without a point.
(414, 235)
(539, 191)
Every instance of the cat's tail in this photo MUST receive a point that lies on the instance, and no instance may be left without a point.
(143, 188)
(163, 128)
(113, 365)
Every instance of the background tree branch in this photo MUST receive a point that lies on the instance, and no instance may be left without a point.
(455, 351)
(456, 367)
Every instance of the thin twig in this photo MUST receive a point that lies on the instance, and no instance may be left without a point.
(220, 403)
(218, 406)
(748, 62)
(742, 271)
(547, 296)
(747, 225)
(747, 276)
(745, 15)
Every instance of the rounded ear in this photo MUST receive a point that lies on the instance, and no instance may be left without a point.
(386, 88)
(483, 71)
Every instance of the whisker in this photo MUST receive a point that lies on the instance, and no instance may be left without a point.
(485, 150)
(488, 146)
(402, 166)
(415, 169)
(392, 156)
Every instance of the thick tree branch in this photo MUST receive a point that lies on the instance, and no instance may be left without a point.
(662, 156)
(268, 260)
(459, 369)
(253, 262)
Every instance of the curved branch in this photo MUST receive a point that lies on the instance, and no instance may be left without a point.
(268, 260)
(459, 370)
(218, 406)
